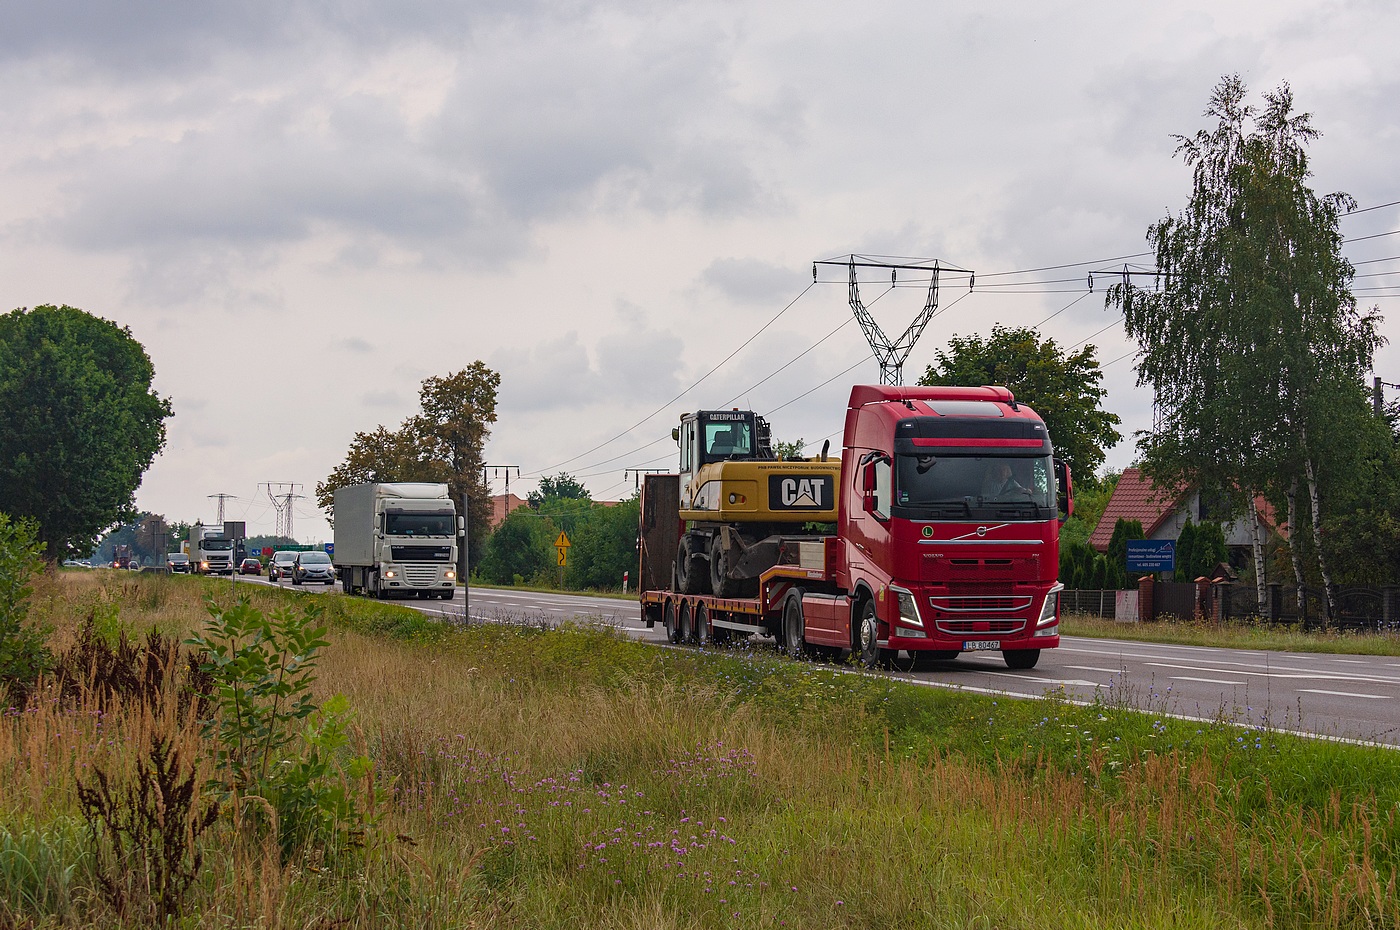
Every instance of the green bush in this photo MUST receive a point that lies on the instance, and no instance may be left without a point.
(263, 668)
(23, 652)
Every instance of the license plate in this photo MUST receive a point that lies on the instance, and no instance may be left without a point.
(981, 645)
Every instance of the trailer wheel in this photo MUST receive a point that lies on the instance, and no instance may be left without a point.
(702, 625)
(1021, 658)
(686, 623)
(668, 619)
(868, 638)
(691, 571)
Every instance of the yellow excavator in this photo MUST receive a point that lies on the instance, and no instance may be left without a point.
(738, 501)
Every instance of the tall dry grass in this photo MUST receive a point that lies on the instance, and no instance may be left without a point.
(571, 779)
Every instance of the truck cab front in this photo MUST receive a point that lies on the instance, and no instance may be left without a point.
(951, 521)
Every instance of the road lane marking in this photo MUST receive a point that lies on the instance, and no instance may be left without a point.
(1374, 697)
(1051, 681)
(1282, 675)
(1209, 681)
(1090, 668)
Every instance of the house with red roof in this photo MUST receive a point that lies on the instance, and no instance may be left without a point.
(1164, 511)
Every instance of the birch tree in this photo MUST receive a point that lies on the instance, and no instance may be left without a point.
(1250, 335)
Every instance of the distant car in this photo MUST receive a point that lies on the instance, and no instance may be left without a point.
(72, 563)
(313, 566)
(250, 566)
(178, 562)
(281, 565)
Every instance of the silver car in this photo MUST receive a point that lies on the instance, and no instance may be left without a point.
(281, 565)
(313, 566)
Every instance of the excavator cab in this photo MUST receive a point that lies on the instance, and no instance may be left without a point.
(708, 436)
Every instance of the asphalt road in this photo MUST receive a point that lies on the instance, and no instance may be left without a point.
(1340, 696)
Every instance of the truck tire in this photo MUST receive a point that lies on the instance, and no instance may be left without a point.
(701, 622)
(867, 646)
(691, 571)
(686, 621)
(671, 622)
(1021, 658)
(794, 625)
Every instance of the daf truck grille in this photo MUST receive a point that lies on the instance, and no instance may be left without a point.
(420, 574)
(957, 605)
(964, 627)
(420, 553)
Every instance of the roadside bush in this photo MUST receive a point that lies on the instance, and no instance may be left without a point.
(295, 775)
(24, 655)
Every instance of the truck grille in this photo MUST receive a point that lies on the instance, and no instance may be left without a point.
(420, 553)
(420, 574)
(1002, 604)
(964, 627)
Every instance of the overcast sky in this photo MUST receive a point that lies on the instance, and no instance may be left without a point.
(304, 209)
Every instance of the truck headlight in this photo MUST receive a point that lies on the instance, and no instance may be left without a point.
(391, 574)
(1049, 622)
(910, 622)
(449, 574)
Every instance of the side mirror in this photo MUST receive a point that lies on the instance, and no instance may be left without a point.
(1064, 484)
(867, 502)
(676, 433)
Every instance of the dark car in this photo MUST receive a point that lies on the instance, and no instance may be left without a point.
(313, 566)
(281, 565)
(178, 562)
(250, 566)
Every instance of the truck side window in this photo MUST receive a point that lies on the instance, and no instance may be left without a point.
(883, 484)
(879, 467)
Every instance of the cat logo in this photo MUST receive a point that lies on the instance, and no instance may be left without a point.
(800, 493)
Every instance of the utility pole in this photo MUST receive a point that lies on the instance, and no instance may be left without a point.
(1378, 395)
(488, 472)
(637, 474)
(891, 354)
(221, 498)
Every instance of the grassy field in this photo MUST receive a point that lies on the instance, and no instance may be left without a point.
(1234, 635)
(572, 778)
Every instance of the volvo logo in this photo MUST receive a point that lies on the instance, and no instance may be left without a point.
(981, 531)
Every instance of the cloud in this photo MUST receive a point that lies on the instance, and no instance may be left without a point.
(751, 280)
(382, 399)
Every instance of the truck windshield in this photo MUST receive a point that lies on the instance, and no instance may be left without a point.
(216, 544)
(419, 524)
(963, 485)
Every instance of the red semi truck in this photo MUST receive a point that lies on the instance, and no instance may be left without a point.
(946, 540)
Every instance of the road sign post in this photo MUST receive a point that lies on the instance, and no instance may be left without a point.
(561, 545)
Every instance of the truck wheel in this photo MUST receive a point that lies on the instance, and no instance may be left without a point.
(794, 625)
(868, 636)
(691, 571)
(668, 619)
(1021, 658)
(702, 625)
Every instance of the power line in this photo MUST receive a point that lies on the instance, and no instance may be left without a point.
(1380, 206)
(697, 382)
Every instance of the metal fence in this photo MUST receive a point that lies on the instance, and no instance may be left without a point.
(1360, 608)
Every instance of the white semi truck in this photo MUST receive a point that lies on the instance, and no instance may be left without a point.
(211, 552)
(397, 540)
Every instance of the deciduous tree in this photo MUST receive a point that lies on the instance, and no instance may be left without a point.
(1252, 340)
(81, 424)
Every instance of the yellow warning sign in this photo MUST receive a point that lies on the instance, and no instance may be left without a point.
(562, 542)
(563, 555)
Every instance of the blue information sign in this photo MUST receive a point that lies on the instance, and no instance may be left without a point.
(1151, 555)
(330, 548)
